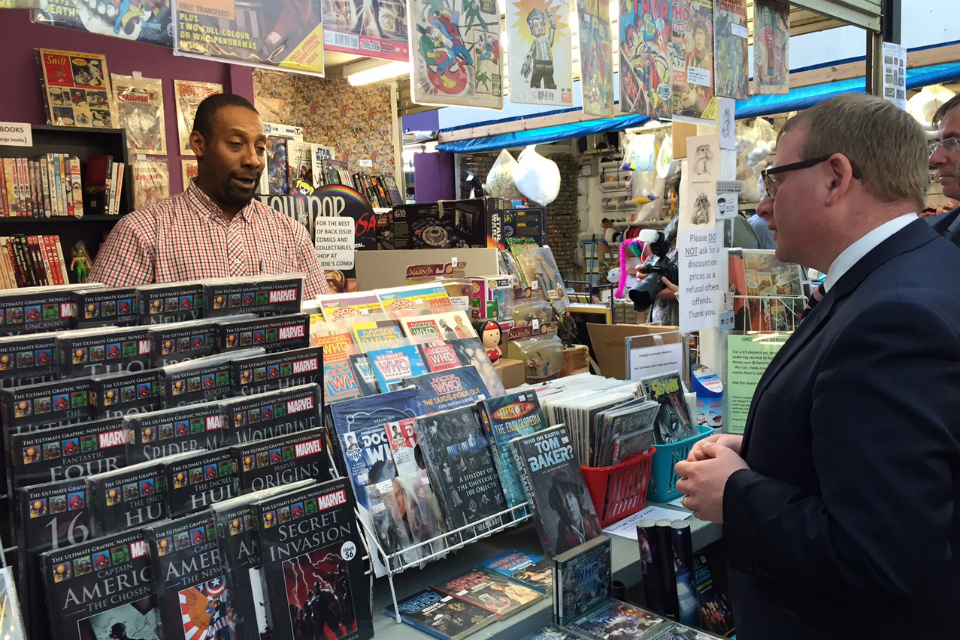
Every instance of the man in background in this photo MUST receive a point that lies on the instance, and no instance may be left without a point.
(944, 157)
(216, 228)
(841, 501)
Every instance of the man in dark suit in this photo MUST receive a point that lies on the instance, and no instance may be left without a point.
(841, 502)
(944, 157)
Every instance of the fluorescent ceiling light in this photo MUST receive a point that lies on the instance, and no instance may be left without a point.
(382, 73)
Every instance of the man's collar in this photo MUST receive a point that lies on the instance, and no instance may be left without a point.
(208, 207)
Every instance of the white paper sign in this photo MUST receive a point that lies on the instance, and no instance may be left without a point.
(726, 206)
(627, 528)
(335, 238)
(700, 254)
(654, 360)
(16, 134)
(895, 74)
(740, 31)
(727, 123)
(698, 76)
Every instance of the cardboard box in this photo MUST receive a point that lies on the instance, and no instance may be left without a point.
(610, 344)
(511, 372)
(381, 269)
(575, 360)
(447, 224)
(516, 223)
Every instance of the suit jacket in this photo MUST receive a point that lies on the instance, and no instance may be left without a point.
(847, 524)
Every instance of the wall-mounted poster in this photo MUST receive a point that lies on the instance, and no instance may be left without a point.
(139, 20)
(140, 111)
(189, 95)
(771, 48)
(76, 89)
(456, 57)
(188, 171)
(691, 56)
(265, 33)
(151, 182)
(730, 33)
(541, 72)
(596, 57)
(372, 28)
(645, 70)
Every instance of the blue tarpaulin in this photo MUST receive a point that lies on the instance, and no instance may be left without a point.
(795, 100)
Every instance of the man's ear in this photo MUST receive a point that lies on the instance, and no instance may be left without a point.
(197, 143)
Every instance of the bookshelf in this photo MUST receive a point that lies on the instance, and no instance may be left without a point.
(82, 142)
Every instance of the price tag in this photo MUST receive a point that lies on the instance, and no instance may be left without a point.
(740, 31)
(453, 262)
(535, 285)
(535, 324)
(698, 76)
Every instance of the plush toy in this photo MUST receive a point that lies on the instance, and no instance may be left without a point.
(630, 252)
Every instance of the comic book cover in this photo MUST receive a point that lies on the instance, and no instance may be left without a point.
(691, 56)
(103, 350)
(48, 517)
(470, 351)
(771, 51)
(193, 597)
(105, 307)
(138, 20)
(76, 89)
(120, 394)
(288, 35)
(584, 579)
(550, 473)
(322, 572)
(48, 404)
(596, 57)
(238, 539)
(645, 69)
(441, 615)
(673, 422)
(201, 380)
(494, 594)
(126, 498)
(275, 174)
(279, 461)
(300, 168)
(188, 171)
(509, 562)
(731, 72)
(259, 374)
(37, 309)
(376, 30)
(151, 182)
(319, 155)
(336, 172)
(188, 96)
(197, 480)
(439, 356)
(537, 576)
(624, 620)
(348, 305)
(382, 334)
(414, 301)
(102, 589)
(539, 31)
(154, 435)
(457, 57)
(27, 360)
(275, 413)
(339, 381)
(140, 111)
(11, 623)
(357, 431)
(451, 389)
(553, 632)
(393, 366)
(461, 468)
(336, 346)
(365, 376)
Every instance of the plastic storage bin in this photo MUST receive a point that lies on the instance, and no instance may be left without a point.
(663, 478)
(620, 490)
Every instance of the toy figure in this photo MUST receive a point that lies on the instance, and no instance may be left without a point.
(539, 59)
(490, 334)
(80, 263)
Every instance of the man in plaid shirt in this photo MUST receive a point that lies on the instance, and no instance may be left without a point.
(216, 228)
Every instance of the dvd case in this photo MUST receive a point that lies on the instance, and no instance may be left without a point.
(497, 595)
(441, 615)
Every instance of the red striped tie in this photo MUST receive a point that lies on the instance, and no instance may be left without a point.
(815, 298)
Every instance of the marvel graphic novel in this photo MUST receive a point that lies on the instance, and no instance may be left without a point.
(150, 436)
(90, 352)
(197, 480)
(120, 394)
(276, 462)
(275, 413)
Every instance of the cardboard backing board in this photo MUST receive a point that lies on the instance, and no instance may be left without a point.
(609, 344)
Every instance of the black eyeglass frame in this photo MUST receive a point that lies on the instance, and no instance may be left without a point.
(795, 166)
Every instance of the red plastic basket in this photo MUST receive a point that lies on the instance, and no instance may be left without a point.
(621, 490)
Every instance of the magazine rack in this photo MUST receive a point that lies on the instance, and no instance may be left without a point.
(395, 563)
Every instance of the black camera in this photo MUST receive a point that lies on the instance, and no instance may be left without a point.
(657, 268)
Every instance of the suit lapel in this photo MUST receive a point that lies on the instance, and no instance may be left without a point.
(914, 235)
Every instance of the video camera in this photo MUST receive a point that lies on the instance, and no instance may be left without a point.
(657, 268)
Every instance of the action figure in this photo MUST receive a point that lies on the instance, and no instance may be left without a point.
(80, 261)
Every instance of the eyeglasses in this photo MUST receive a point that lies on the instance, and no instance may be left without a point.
(950, 145)
(771, 184)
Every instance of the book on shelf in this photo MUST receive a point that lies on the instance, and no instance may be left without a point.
(43, 186)
(29, 261)
(441, 615)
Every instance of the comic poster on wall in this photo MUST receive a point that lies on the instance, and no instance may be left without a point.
(541, 72)
(188, 96)
(76, 89)
(138, 20)
(373, 28)
(264, 33)
(189, 169)
(645, 70)
(596, 57)
(731, 75)
(151, 182)
(140, 111)
(691, 56)
(456, 58)
(771, 47)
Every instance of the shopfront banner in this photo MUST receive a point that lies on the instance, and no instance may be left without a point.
(139, 20)
(596, 57)
(645, 69)
(267, 33)
(691, 56)
(541, 71)
(771, 49)
(456, 58)
(372, 28)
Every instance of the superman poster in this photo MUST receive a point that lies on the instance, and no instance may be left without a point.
(138, 20)
(456, 54)
(645, 70)
(541, 71)
(596, 57)
(261, 33)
